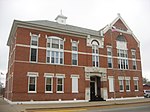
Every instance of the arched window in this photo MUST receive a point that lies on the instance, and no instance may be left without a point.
(121, 38)
(122, 52)
(95, 53)
(55, 50)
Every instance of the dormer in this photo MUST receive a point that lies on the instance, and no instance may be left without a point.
(61, 19)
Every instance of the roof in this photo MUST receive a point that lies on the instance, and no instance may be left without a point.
(50, 25)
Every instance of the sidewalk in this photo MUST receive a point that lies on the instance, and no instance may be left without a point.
(5, 107)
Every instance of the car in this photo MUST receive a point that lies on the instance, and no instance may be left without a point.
(147, 93)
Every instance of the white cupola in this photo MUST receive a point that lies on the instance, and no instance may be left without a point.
(61, 19)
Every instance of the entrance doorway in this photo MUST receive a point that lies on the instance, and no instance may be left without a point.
(95, 88)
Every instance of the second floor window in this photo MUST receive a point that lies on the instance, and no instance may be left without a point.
(55, 50)
(109, 58)
(55, 42)
(95, 54)
(122, 59)
(74, 53)
(34, 47)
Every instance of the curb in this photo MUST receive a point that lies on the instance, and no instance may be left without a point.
(46, 108)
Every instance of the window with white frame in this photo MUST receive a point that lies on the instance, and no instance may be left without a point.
(60, 83)
(55, 50)
(122, 59)
(133, 52)
(122, 52)
(109, 58)
(74, 53)
(109, 51)
(75, 83)
(95, 54)
(134, 65)
(32, 82)
(34, 47)
(121, 83)
(136, 83)
(121, 87)
(111, 83)
(127, 85)
(48, 82)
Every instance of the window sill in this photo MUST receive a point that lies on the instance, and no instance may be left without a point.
(32, 92)
(59, 92)
(121, 91)
(75, 92)
(48, 91)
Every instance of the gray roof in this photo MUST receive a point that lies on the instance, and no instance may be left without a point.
(65, 27)
(52, 26)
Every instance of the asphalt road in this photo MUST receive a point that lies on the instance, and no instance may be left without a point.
(142, 107)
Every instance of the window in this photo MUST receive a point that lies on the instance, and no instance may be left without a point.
(121, 85)
(111, 84)
(60, 83)
(95, 56)
(32, 81)
(74, 46)
(134, 64)
(48, 84)
(74, 53)
(33, 55)
(133, 52)
(127, 85)
(55, 52)
(109, 51)
(123, 64)
(34, 47)
(34, 40)
(136, 83)
(74, 83)
(74, 59)
(55, 42)
(109, 58)
(122, 52)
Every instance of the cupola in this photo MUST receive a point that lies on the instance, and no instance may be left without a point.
(61, 19)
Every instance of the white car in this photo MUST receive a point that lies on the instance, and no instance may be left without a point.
(147, 93)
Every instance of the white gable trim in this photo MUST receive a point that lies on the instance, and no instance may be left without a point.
(129, 31)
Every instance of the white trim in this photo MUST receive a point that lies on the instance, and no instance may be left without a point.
(32, 74)
(48, 74)
(60, 75)
(127, 98)
(69, 51)
(44, 102)
(129, 31)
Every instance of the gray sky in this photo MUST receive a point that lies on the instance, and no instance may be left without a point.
(92, 14)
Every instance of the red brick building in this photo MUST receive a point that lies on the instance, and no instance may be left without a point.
(54, 61)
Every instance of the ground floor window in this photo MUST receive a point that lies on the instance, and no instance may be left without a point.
(111, 84)
(75, 83)
(127, 85)
(32, 82)
(60, 83)
(121, 86)
(136, 83)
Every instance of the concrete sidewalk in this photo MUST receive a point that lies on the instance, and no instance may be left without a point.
(5, 107)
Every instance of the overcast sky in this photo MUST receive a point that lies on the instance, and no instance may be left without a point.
(92, 14)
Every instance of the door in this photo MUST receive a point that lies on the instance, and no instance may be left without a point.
(92, 90)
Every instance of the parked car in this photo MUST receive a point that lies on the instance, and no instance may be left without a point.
(147, 93)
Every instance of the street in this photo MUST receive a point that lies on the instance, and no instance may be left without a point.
(141, 107)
